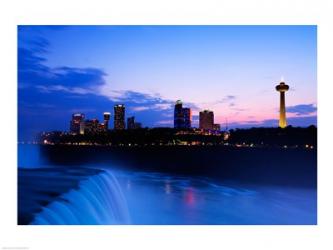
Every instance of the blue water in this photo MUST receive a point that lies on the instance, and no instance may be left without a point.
(123, 196)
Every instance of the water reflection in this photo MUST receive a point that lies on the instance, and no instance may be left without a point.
(167, 187)
(159, 198)
(156, 198)
(189, 196)
(128, 185)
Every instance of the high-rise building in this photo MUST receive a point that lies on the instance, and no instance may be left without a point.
(178, 115)
(91, 126)
(106, 116)
(282, 88)
(206, 120)
(77, 119)
(101, 127)
(119, 116)
(131, 122)
(217, 127)
(82, 127)
(187, 117)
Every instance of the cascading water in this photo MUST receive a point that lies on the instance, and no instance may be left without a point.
(97, 201)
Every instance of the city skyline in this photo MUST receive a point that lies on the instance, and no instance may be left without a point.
(231, 70)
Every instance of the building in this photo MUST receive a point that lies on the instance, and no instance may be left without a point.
(282, 88)
(101, 127)
(178, 115)
(82, 127)
(119, 116)
(75, 123)
(206, 120)
(182, 116)
(137, 125)
(131, 122)
(217, 127)
(91, 126)
(106, 116)
(187, 117)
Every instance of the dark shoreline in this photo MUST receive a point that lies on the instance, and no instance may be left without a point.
(273, 166)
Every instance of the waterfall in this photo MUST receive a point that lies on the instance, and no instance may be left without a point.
(97, 201)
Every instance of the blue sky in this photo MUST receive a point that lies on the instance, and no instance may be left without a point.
(231, 70)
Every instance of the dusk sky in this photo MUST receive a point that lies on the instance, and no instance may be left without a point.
(231, 70)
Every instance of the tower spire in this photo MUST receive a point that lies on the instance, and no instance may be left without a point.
(282, 88)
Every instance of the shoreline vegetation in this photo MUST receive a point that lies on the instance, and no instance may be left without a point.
(289, 137)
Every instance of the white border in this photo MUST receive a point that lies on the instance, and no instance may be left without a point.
(163, 12)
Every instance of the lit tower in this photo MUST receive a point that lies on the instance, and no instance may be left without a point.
(106, 116)
(178, 115)
(187, 117)
(206, 120)
(282, 88)
(119, 116)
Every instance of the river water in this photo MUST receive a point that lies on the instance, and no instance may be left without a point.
(67, 185)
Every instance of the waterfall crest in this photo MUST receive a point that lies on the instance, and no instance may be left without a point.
(97, 201)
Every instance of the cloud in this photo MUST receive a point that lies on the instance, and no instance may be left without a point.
(226, 99)
(195, 117)
(293, 121)
(163, 106)
(140, 108)
(153, 106)
(164, 123)
(302, 109)
(73, 90)
(48, 95)
(81, 77)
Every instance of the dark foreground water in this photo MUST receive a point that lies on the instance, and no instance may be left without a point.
(166, 185)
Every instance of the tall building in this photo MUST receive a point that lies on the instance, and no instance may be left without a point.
(77, 119)
(131, 122)
(178, 115)
(282, 88)
(101, 127)
(187, 117)
(206, 120)
(106, 116)
(82, 127)
(91, 126)
(119, 116)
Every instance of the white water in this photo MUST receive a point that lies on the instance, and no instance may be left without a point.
(97, 201)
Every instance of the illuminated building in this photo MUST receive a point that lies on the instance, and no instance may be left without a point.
(282, 88)
(91, 126)
(82, 127)
(187, 117)
(217, 127)
(206, 120)
(226, 135)
(182, 116)
(88, 126)
(119, 116)
(178, 115)
(75, 123)
(130, 122)
(101, 127)
(106, 116)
